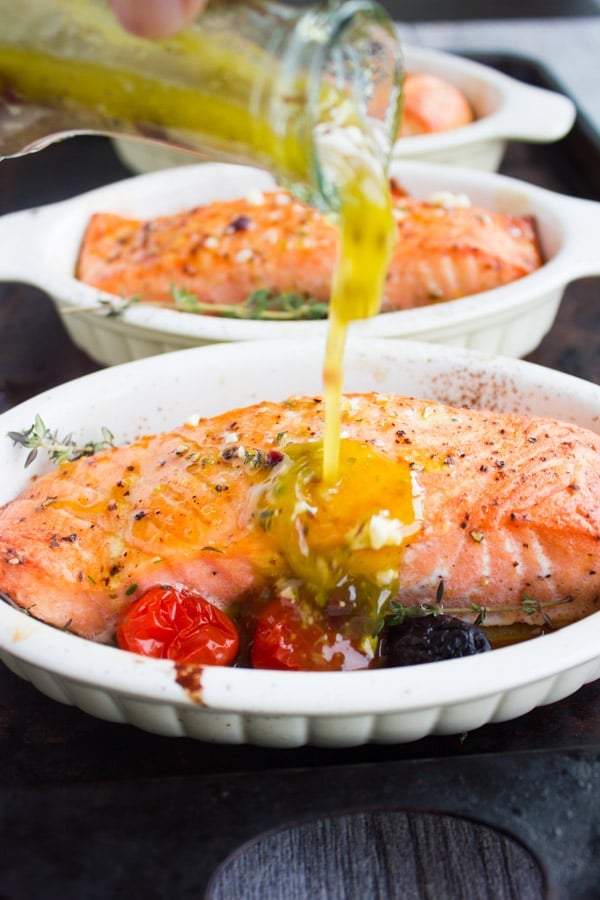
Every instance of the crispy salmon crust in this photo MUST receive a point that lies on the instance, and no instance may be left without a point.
(223, 252)
(511, 509)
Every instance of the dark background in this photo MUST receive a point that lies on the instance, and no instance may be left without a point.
(448, 10)
(459, 10)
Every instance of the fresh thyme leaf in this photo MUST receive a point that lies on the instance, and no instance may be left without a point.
(398, 613)
(39, 437)
(528, 605)
(480, 617)
(260, 304)
(265, 519)
(439, 593)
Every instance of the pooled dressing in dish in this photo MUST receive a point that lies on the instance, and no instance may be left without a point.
(354, 528)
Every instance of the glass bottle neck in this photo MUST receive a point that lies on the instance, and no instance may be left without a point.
(334, 94)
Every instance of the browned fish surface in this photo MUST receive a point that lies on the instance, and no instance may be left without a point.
(503, 507)
(225, 252)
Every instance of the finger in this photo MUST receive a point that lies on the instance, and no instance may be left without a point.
(156, 18)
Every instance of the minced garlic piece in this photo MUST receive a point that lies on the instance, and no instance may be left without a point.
(255, 198)
(448, 200)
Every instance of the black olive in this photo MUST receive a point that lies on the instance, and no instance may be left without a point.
(423, 639)
(240, 223)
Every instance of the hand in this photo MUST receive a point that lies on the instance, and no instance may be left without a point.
(156, 18)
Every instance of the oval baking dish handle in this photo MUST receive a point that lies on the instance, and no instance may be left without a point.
(535, 114)
(20, 245)
(580, 220)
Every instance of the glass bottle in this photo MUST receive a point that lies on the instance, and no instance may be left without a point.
(295, 91)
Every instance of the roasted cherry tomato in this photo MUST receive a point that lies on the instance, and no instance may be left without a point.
(290, 637)
(175, 623)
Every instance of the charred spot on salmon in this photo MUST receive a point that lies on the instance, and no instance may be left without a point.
(426, 639)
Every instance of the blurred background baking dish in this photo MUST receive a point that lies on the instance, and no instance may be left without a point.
(41, 247)
(504, 108)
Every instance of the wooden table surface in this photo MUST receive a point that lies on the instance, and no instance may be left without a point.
(51, 751)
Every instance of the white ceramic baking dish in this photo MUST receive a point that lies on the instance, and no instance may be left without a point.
(40, 246)
(505, 109)
(289, 709)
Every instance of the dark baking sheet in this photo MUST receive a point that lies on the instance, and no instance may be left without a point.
(164, 838)
(92, 809)
(573, 164)
(570, 166)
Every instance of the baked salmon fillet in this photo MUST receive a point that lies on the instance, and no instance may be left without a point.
(223, 253)
(432, 105)
(498, 507)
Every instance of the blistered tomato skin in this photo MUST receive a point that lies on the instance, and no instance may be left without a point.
(178, 624)
(423, 639)
(289, 637)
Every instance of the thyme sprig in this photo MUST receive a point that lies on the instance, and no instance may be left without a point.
(38, 437)
(261, 304)
(528, 605)
(107, 306)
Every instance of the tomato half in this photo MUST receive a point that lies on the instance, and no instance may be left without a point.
(288, 636)
(175, 623)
